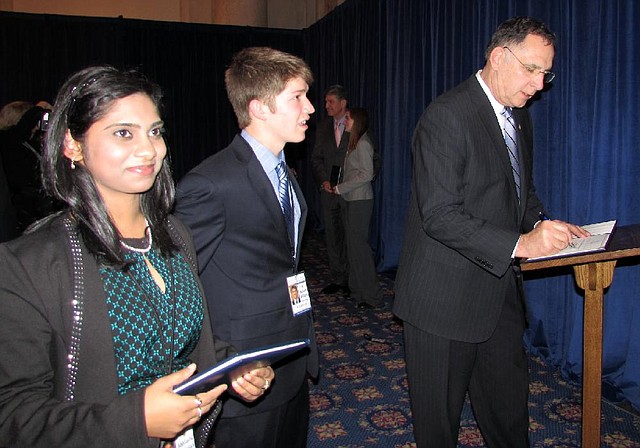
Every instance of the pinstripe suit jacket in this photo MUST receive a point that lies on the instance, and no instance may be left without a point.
(464, 218)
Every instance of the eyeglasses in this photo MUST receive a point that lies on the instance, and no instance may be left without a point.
(533, 70)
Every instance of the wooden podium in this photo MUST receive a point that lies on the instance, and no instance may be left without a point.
(594, 273)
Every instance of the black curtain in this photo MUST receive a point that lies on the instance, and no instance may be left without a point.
(38, 52)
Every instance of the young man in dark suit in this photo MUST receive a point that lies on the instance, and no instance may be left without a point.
(473, 213)
(248, 236)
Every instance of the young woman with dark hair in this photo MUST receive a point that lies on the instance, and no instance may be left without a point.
(102, 309)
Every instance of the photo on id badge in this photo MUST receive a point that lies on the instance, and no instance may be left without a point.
(298, 293)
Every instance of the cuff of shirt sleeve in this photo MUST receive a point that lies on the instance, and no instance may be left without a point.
(513, 254)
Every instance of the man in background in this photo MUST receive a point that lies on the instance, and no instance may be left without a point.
(327, 159)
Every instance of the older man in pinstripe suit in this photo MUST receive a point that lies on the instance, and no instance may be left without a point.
(472, 215)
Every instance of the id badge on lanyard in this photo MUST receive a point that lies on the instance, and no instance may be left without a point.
(185, 440)
(298, 294)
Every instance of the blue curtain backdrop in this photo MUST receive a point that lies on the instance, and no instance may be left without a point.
(586, 137)
(394, 57)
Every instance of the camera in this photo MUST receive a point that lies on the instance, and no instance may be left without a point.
(43, 122)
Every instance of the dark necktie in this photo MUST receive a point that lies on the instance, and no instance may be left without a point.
(510, 138)
(285, 197)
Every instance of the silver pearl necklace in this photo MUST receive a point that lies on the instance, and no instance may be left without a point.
(144, 250)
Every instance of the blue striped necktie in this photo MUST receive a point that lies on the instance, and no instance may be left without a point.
(510, 138)
(284, 196)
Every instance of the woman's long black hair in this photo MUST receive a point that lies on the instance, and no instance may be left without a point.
(83, 99)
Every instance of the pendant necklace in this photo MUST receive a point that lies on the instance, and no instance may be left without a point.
(148, 235)
(144, 251)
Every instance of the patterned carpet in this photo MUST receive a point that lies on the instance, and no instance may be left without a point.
(361, 399)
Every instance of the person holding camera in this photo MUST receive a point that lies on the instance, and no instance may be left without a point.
(21, 154)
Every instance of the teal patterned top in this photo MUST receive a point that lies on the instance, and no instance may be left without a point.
(147, 323)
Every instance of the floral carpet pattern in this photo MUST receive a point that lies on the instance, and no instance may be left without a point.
(362, 400)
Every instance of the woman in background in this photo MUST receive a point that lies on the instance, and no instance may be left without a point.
(356, 190)
(102, 309)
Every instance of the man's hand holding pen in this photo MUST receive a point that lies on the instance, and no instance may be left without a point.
(548, 238)
(544, 217)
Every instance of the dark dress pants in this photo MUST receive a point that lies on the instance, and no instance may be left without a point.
(283, 427)
(362, 271)
(441, 371)
(332, 208)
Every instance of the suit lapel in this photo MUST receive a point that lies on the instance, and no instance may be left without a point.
(261, 184)
(303, 211)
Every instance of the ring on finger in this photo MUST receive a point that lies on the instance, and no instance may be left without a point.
(199, 409)
(198, 401)
(267, 384)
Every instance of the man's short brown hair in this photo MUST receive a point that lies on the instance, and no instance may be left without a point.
(261, 73)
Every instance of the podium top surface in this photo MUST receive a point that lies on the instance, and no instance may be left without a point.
(625, 242)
